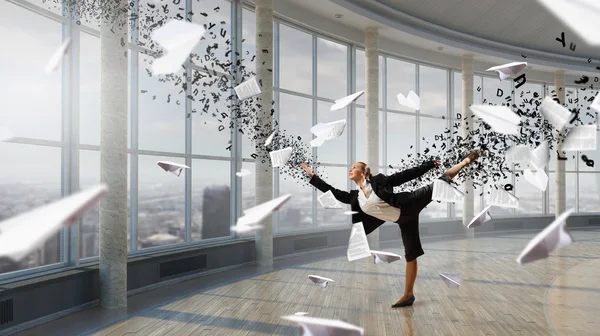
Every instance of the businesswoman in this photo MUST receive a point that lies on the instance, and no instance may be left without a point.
(376, 203)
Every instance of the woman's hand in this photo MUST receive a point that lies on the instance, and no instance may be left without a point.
(436, 163)
(307, 170)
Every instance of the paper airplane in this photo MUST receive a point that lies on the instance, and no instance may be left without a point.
(358, 245)
(500, 118)
(539, 157)
(502, 198)
(178, 38)
(328, 201)
(22, 234)
(343, 102)
(253, 216)
(411, 101)
(301, 313)
(539, 180)
(350, 212)
(480, 218)
(319, 280)
(380, 257)
(582, 16)
(505, 71)
(247, 89)
(57, 57)
(317, 142)
(452, 280)
(581, 138)
(518, 154)
(172, 167)
(280, 157)
(327, 131)
(553, 237)
(556, 114)
(5, 134)
(313, 326)
(243, 172)
(444, 192)
(269, 139)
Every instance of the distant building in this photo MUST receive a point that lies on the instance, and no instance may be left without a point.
(215, 212)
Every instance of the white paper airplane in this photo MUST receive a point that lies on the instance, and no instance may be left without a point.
(313, 326)
(582, 16)
(556, 114)
(178, 38)
(319, 280)
(328, 201)
(350, 212)
(327, 131)
(381, 257)
(518, 154)
(502, 198)
(253, 216)
(411, 101)
(539, 157)
(5, 134)
(269, 139)
(358, 245)
(554, 236)
(243, 172)
(444, 192)
(317, 142)
(505, 71)
(247, 89)
(343, 102)
(539, 180)
(452, 280)
(22, 234)
(280, 157)
(172, 167)
(581, 138)
(500, 118)
(57, 57)
(480, 218)
(301, 313)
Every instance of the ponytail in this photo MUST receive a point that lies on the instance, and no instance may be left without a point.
(368, 174)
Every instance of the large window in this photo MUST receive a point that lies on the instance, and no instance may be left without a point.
(211, 192)
(336, 150)
(433, 91)
(332, 69)
(400, 79)
(401, 135)
(295, 59)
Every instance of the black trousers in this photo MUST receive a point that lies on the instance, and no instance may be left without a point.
(409, 221)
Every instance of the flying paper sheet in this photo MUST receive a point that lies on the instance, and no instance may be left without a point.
(343, 102)
(480, 218)
(518, 154)
(500, 118)
(243, 172)
(502, 198)
(358, 245)
(313, 326)
(253, 216)
(247, 89)
(539, 157)
(5, 134)
(328, 201)
(330, 130)
(269, 139)
(22, 234)
(411, 101)
(57, 57)
(178, 38)
(510, 69)
(280, 157)
(556, 114)
(172, 167)
(539, 180)
(317, 142)
(319, 280)
(596, 105)
(581, 138)
(350, 212)
(452, 280)
(380, 257)
(553, 237)
(443, 191)
(582, 16)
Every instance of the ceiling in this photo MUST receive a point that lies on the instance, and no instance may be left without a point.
(494, 31)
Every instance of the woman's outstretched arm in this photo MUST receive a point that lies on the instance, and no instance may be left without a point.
(342, 196)
(411, 173)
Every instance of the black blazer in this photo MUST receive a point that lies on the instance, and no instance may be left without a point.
(383, 186)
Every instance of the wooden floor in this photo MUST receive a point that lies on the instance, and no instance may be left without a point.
(497, 295)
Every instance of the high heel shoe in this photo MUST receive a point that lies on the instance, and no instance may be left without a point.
(405, 303)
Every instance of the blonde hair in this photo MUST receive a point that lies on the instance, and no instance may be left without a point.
(367, 169)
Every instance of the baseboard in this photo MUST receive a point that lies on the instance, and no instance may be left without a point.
(48, 318)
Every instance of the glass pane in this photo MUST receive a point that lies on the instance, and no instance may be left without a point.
(360, 141)
(55, 6)
(591, 155)
(89, 176)
(400, 144)
(585, 97)
(152, 12)
(433, 91)
(570, 191)
(31, 99)
(336, 150)
(496, 210)
(295, 118)
(338, 178)
(249, 39)
(215, 15)
(400, 79)
(161, 203)
(295, 59)
(429, 129)
(332, 69)
(297, 212)
(211, 199)
(161, 112)
(589, 192)
(248, 186)
(24, 187)
(530, 197)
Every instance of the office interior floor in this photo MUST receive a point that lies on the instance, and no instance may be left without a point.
(559, 295)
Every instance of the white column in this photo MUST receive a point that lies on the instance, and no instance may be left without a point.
(372, 110)
(113, 154)
(560, 197)
(467, 100)
(264, 171)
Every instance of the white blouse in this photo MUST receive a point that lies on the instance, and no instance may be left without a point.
(374, 206)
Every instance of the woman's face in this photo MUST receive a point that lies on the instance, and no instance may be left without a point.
(356, 171)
